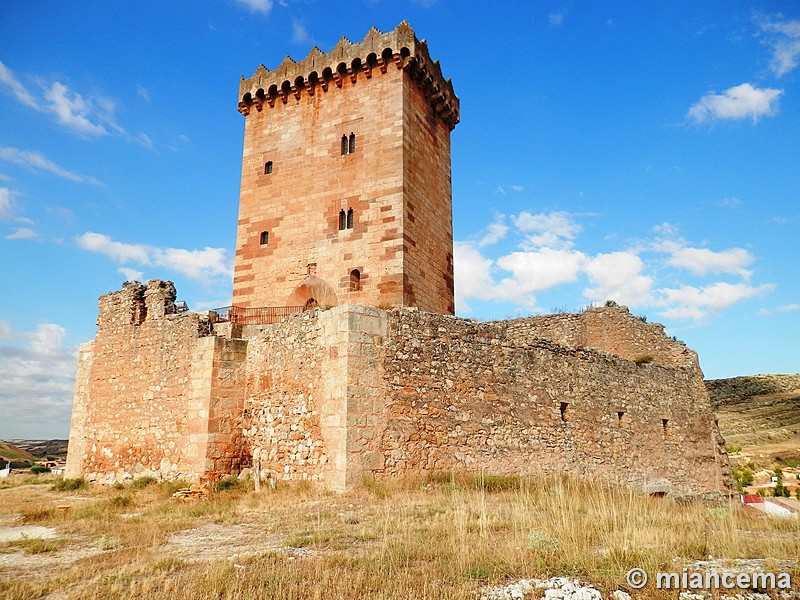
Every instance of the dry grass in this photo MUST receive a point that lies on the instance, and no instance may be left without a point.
(444, 537)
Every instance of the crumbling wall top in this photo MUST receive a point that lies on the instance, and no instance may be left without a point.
(348, 60)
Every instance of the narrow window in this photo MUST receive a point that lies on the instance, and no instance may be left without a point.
(350, 219)
(268, 167)
(564, 406)
(342, 220)
(620, 414)
(352, 144)
(664, 423)
(264, 238)
(355, 280)
(345, 146)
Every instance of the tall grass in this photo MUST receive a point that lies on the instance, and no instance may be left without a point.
(443, 536)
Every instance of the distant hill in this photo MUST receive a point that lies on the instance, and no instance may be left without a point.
(761, 415)
(19, 457)
(57, 449)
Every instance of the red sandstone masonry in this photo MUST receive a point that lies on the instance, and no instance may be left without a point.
(156, 394)
(387, 93)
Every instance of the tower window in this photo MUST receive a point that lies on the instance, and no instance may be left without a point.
(355, 280)
(268, 167)
(348, 144)
(264, 240)
(563, 409)
(342, 220)
(350, 219)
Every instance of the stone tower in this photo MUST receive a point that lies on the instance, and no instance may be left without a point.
(346, 191)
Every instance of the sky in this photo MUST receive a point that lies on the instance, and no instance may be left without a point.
(643, 152)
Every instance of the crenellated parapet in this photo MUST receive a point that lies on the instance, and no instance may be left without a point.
(378, 51)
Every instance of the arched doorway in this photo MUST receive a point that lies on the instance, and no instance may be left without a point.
(313, 292)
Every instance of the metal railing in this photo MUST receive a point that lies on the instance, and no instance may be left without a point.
(265, 315)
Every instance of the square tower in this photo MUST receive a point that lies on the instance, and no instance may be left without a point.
(346, 194)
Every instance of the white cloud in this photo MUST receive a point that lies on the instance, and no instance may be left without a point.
(555, 18)
(556, 229)
(72, 110)
(495, 232)
(144, 140)
(143, 93)
(702, 261)
(472, 272)
(17, 89)
(131, 274)
(689, 302)
(38, 162)
(37, 383)
(22, 233)
(300, 35)
(201, 265)
(788, 308)
(257, 6)
(545, 259)
(618, 276)
(537, 271)
(91, 115)
(784, 37)
(739, 102)
(5, 204)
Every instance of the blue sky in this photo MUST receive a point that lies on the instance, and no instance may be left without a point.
(646, 152)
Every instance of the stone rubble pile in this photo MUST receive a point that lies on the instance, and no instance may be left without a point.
(555, 588)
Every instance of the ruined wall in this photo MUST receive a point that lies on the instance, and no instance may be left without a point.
(495, 397)
(155, 393)
(336, 395)
(611, 329)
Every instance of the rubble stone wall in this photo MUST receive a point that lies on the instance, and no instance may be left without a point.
(493, 397)
(156, 394)
(336, 395)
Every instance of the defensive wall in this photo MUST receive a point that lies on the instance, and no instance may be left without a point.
(336, 395)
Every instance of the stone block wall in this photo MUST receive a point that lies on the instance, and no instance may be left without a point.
(335, 395)
(156, 393)
(314, 405)
(480, 396)
(394, 180)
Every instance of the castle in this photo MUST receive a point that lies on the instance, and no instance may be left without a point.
(340, 357)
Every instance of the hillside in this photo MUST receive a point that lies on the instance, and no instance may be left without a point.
(761, 415)
(19, 457)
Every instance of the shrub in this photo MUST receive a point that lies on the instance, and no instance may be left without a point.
(780, 491)
(230, 483)
(732, 449)
(743, 477)
(121, 501)
(70, 485)
(37, 469)
(644, 359)
(143, 482)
